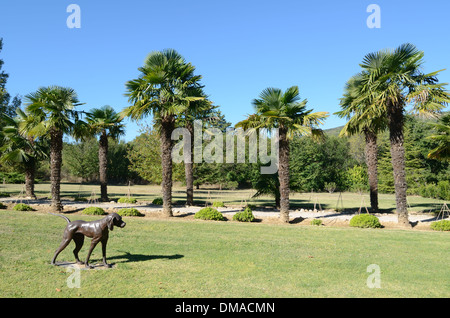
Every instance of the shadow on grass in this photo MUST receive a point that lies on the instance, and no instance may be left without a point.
(129, 257)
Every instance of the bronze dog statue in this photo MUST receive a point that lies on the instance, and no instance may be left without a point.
(97, 230)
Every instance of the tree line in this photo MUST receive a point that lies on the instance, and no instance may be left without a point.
(374, 102)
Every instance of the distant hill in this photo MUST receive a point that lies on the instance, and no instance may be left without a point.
(333, 131)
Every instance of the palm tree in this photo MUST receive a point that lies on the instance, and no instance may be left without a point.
(106, 123)
(394, 80)
(285, 112)
(360, 120)
(52, 109)
(442, 137)
(19, 149)
(163, 90)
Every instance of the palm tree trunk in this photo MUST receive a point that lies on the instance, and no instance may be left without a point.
(283, 174)
(167, 126)
(396, 119)
(189, 169)
(30, 169)
(103, 166)
(371, 153)
(56, 145)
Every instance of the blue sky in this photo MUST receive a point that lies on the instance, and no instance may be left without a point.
(239, 47)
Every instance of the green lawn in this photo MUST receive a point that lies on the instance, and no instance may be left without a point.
(186, 258)
(346, 200)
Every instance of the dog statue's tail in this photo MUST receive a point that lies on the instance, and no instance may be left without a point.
(63, 216)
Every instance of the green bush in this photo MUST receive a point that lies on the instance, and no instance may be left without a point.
(12, 177)
(443, 225)
(129, 212)
(22, 207)
(93, 211)
(158, 201)
(365, 221)
(316, 222)
(209, 214)
(441, 190)
(218, 204)
(127, 200)
(244, 216)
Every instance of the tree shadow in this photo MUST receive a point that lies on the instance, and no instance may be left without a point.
(129, 257)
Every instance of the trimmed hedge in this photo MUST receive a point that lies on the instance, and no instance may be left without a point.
(129, 212)
(443, 225)
(365, 221)
(93, 211)
(209, 214)
(244, 216)
(127, 200)
(22, 207)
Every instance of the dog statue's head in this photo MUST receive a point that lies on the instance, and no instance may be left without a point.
(115, 219)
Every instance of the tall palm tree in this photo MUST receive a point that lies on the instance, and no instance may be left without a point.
(442, 137)
(54, 114)
(163, 90)
(106, 123)
(360, 120)
(285, 112)
(394, 80)
(21, 150)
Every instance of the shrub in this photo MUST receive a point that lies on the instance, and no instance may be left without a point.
(365, 221)
(443, 225)
(93, 211)
(127, 200)
(218, 204)
(244, 216)
(158, 201)
(209, 214)
(316, 222)
(2, 206)
(22, 207)
(129, 212)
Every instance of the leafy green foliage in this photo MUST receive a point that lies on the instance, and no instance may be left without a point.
(94, 211)
(22, 207)
(317, 222)
(127, 200)
(365, 221)
(157, 201)
(218, 204)
(443, 225)
(244, 216)
(209, 214)
(129, 212)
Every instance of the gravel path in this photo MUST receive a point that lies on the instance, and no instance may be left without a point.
(226, 211)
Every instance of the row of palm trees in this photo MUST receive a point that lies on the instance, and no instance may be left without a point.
(376, 99)
(37, 133)
(168, 89)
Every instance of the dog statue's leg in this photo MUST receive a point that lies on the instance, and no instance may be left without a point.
(79, 240)
(94, 243)
(63, 245)
(104, 241)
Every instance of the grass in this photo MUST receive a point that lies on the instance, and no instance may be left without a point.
(181, 258)
(345, 200)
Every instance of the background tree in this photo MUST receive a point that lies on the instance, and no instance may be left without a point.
(285, 112)
(394, 79)
(52, 109)
(442, 137)
(105, 123)
(163, 90)
(20, 150)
